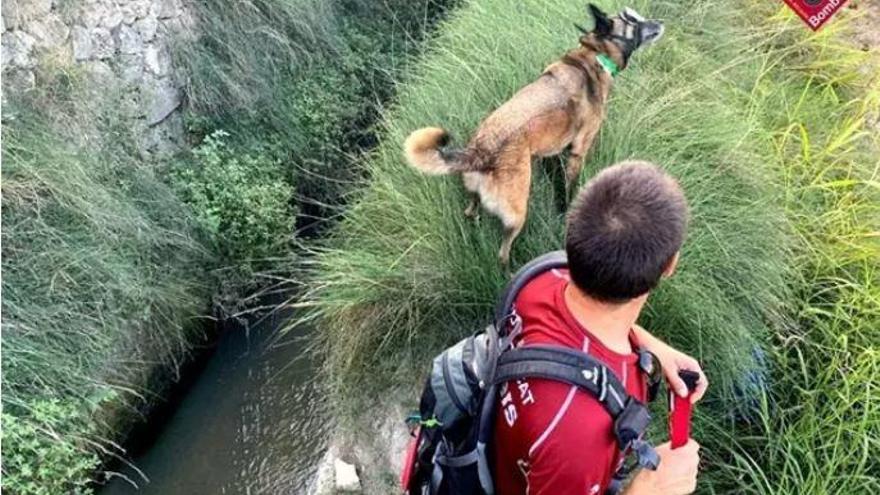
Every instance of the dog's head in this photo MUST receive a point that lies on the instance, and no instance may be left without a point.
(621, 34)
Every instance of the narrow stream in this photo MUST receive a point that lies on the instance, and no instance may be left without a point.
(252, 423)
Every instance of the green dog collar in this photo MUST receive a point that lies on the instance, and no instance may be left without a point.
(605, 61)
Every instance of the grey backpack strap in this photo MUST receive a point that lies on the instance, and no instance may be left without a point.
(631, 417)
(539, 265)
(505, 325)
(564, 365)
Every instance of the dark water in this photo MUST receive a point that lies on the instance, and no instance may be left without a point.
(252, 423)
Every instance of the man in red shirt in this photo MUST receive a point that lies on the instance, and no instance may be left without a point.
(624, 233)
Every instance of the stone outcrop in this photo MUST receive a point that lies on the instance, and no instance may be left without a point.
(336, 476)
(122, 46)
(368, 460)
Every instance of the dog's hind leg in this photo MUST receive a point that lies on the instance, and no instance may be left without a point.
(472, 184)
(579, 147)
(514, 207)
(512, 228)
(473, 208)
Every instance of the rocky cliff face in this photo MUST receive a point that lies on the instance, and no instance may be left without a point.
(123, 47)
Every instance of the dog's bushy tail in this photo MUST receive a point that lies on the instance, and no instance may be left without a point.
(422, 151)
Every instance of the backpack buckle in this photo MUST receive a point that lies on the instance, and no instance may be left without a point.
(632, 422)
(646, 456)
(512, 327)
(649, 365)
(629, 428)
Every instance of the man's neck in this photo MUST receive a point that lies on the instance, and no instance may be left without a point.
(610, 323)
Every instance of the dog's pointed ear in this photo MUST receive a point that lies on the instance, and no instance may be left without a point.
(603, 23)
(580, 28)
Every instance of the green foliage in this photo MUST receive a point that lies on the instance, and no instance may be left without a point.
(63, 466)
(819, 427)
(314, 91)
(104, 272)
(242, 51)
(240, 198)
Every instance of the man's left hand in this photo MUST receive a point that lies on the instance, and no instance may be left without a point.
(672, 361)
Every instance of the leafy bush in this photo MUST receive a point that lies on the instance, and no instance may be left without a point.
(314, 89)
(818, 431)
(240, 198)
(63, 466)
(105, 270)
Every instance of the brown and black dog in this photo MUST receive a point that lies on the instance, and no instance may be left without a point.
(564, 107)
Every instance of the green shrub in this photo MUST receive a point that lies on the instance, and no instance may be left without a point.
(819, 428)
(314, 90)
(37, 459)
(241, 198)
(104, 272)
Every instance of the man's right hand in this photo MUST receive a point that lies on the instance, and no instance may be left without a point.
(676, 475)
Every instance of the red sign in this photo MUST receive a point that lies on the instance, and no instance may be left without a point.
(815, 12)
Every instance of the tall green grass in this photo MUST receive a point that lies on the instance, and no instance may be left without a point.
(103, 275)
(763, 123)
(406, 272)
(819, 428)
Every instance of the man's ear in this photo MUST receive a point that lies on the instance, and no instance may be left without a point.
(603, 23)
(671, 266)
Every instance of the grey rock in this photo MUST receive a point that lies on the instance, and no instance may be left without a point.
(163, 97)
(100, 73)
(17, 12)
(18, 47)
(129, 40)
(103, 45)
(111, 17)
(100, 77)
(157, 60)
(5, 54)
(49, 31)
(19, 81)
(82, 43)
(147, 27)
(167, 9)
(323, 482)
(346, 479)
(398, 437)
(133, 10)
(131, 68)
(91, 14)
(9, 15)
(163, 139)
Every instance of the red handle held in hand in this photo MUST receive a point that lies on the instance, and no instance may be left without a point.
(680, 410)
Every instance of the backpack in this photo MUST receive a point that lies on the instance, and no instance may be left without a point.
(453, 428)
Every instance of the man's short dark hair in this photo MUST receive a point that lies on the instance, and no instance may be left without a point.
(624, 229)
